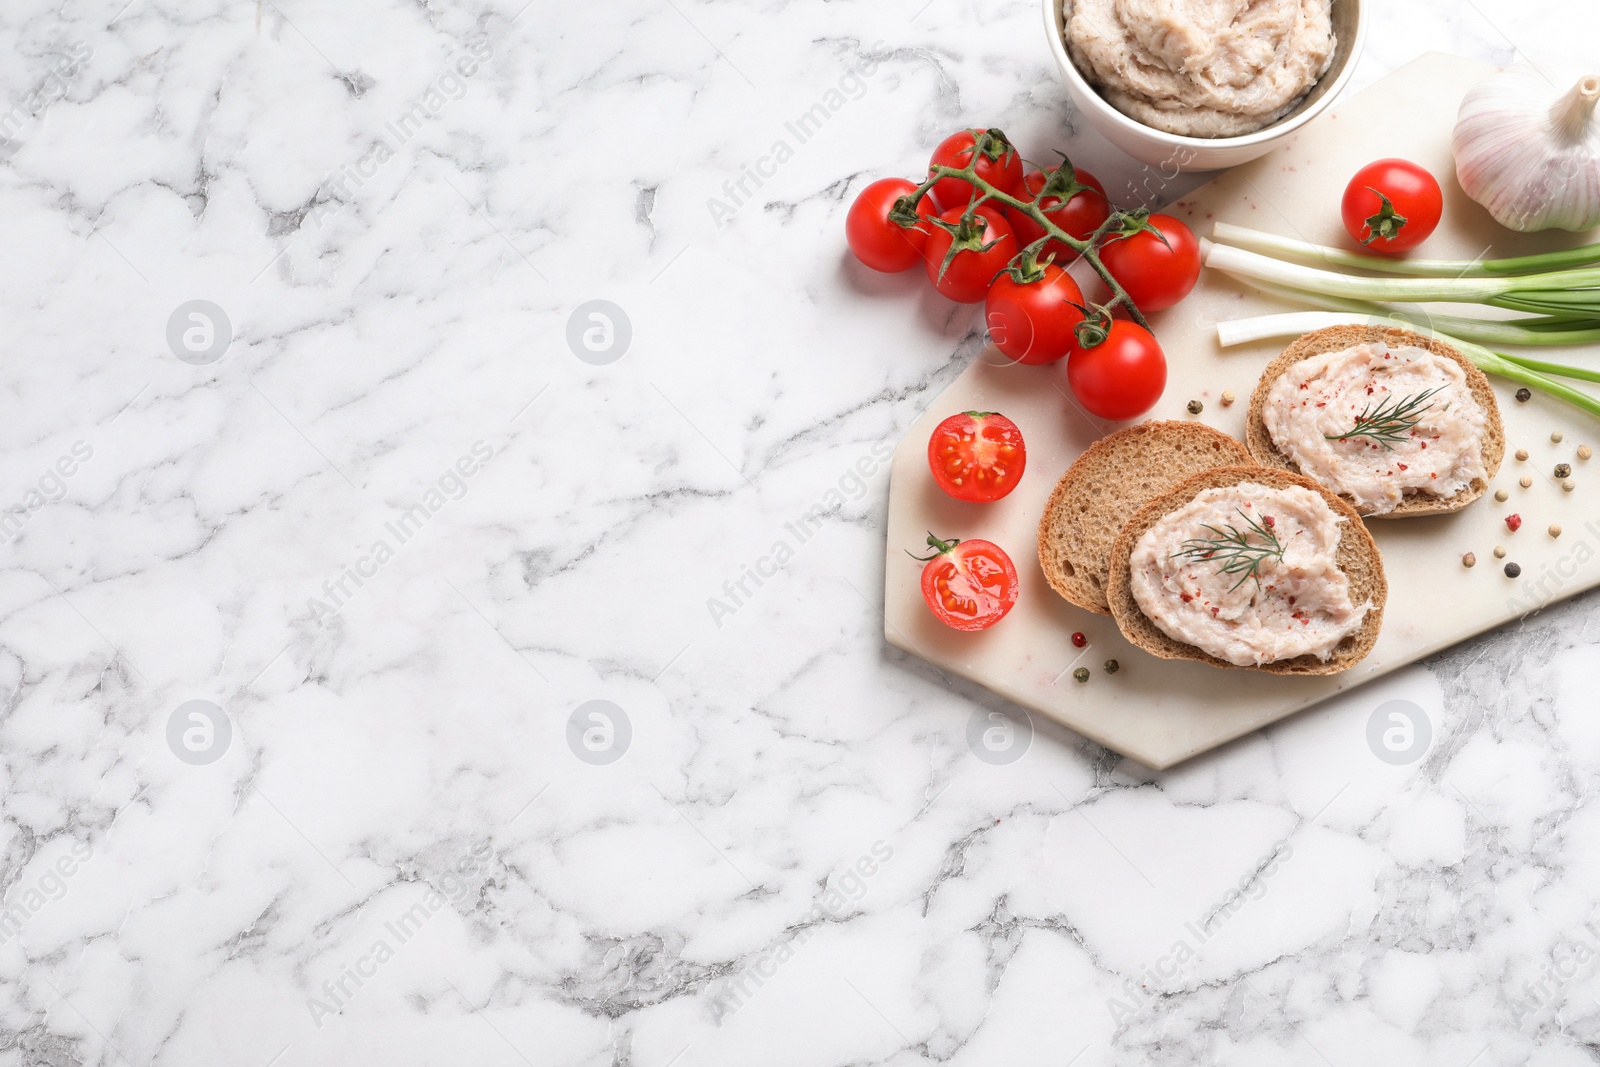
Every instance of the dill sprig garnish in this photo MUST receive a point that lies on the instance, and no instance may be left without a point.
(1390, 421)
(1233, 548)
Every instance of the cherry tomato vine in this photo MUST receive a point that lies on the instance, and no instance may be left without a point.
(967, 234)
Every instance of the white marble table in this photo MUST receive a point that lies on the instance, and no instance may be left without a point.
(302, 631)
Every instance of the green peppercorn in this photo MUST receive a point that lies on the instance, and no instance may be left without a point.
(1195, 407)
(1524, 395)
(1563, 470)
(1081, 674)
(1112, 666)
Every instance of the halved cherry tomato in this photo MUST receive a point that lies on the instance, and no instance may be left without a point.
(983, 245)
(998, 164)
(1080, 214)
(1392, 205)
(1156, 274)
(1032, 322)
(969, 585)
(977, 456)
(1123, 376)
(879, 241)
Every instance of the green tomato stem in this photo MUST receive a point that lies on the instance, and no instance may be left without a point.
(1088, 249)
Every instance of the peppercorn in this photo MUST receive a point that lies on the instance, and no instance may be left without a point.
(1555, 529)
(1469, 560)
(1195, 407)
(1563, 470)
(1522, 454)
(1568, 486)
(1524, 395)
(1112, 666)
(1499, 551)
(1525, 481)
(1227, 397)
(1512, 570)
(1555, 436)
(1078, 640)
(1501, 495)
(1081, 674)
(1584, 451)
(1513, 523)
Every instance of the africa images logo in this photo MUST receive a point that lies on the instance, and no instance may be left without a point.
(1399, 732)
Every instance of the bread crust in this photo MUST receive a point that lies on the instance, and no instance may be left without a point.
(1357, 555)
(1114, 477)
(1336, 339)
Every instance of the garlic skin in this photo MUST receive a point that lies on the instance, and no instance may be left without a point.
(1529, 154)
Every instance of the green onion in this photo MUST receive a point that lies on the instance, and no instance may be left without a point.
(1272, 244)
(1237, 332)
(1571, 294)
(1534, 373)
(1565, 302)
(1582, 374)
(1535, 330)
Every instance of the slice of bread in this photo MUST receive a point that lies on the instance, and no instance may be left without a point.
(1337, 338)
(1357, 555)
(1116, 476)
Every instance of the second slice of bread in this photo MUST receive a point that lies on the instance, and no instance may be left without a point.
(1357, 555)
(1337, 338)
(1111, 480)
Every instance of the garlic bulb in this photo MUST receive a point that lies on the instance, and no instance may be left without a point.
(1529, 155)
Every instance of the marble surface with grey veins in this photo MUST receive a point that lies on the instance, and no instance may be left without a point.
(409, 660)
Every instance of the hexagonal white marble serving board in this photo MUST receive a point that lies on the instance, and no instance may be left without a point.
(1161, 712)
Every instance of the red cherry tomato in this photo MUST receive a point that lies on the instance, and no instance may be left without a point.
(878, 241)
(1392, 206)
(1122, 377)
(969, 585)
(1033, 322)
(984, 247)
(1080, 215)
(1156, 275)
(977, 456)
(998, 164)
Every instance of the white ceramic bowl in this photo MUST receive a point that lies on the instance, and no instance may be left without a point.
(1168, 150)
